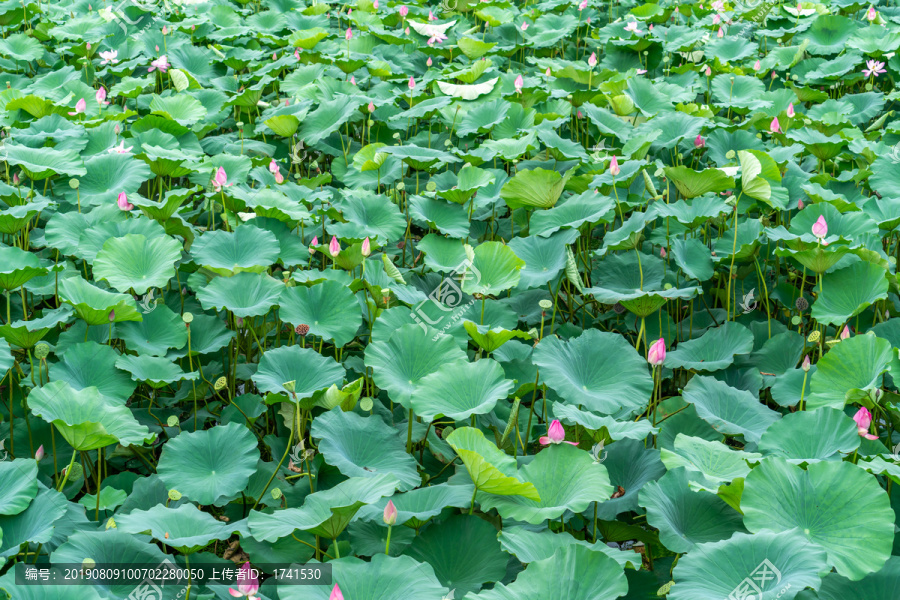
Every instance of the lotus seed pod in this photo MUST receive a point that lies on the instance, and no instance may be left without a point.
(801, 304)
(276, 493)
(111, 523)
(366, 404)
(220, 384)
(41, 350)
(77, 471)
(431, 186)
(302, 329)
(88, 563)
(187, 317)
(290, 386)
(74, 183)
(814, 337)
(174, 495)
(545, 304)
(401, 186)
(618, 309)
(172, 421)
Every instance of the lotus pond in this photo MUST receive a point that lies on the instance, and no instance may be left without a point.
(537, 300)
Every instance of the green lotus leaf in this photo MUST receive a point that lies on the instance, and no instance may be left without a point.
(491, 470)
(856, 363)
(460, 389)
(630, 465)
(21, 47)
(729, 410)
(87, 419)
(494, 268)
(18, 485)
(245, 294)
(771, 565)
(137, 263)
(847, 292)
(696, 183)
(572, 213)
(89, 364)
(283, 125)
(694, 258)
(531, 546)
(364, 446)
(6, 358)
(836, 505)
(110, 174)
(185, 528)
(416, 507)
(34, 524)
(491, 338)
(160, 330)
(17, 267)
(598, 370)
(209, 466)
(181, 108)
(617, 429)
(226, 253)
(97, 306)
(544, 257)
(876, 586)
(310, 371)
(534, 188)
(329, 309)
(25, 334)
(715, 461)
(326, 119)
(208, 334)
(41, 163)
(823, 434)
(714, 350)
(156, 371)
(367, 215)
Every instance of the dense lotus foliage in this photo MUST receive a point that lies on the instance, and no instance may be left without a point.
(534, 300)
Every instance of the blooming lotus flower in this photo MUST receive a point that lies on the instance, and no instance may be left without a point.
(273, 167)
(790, 110)
(404, 11)
(39, 454)
(699, 142)
(756, 66)
(845, 332)
(863, 420)
(336, 593)
(80, 106)
(412, 83)
(390, 513)
(873, 68)
(312, 244)
(718, 5)
(334, 248)
(614, 166)
(109, 57)
(160, 63)
(366, 247)
(592, 60)
(349, 35)
(431, 16)
(820, 227)
(123, 203)
(656, 355)
(100, 96)
(249, 584)
(555, 435)
(633, 27)
(220, 180)
(120, 149)
(524, 26)
(774, 127)
(641, 71)
(519, 82)
(870, 14)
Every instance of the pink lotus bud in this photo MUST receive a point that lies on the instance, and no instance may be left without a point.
(863, 420)
(756, 66)
(583, 5)
(334, 248)
(820, 227)
(220, 179)
(116, 129)
(519, 82)
(406, 31)
(592, 60)
(375, 5)
(274, 57)
(578, 114)
(39, 454)
(774, 126)
(708, 71)
(352, 80)
(805, 365)
(88, 45)
(800, 204)
(699, 142)
(248, 585)
(656, 355)
(157, 48)
(790, 110)
(614, 166)
(279, 178)
(123, 203)
(15, 179)
(112, 316)
(555, 435)
(412, 83)
(366, 247)
(524, 26)
(101, 96)
(721, 33)
(313, 244)
(547, 72)
(663, 253)
(80, 107)
(429, 62)
(336, 593)
(371, 107)
(273, 166)
(349, 35)
(845, 333)
(390, 513)
(431, 16)
(870, 14)
(297, 54)
(716, 19)
(404, 11)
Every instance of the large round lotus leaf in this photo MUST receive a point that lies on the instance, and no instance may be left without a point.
(18, 485)
(788, 387)
(90, 364)
(382, 578)
(617, 430)
(856, 363)
(34, 524)
(572, 213)
(565, 477)
(97, 306)
(411, 353)
(17, 267)
(87, 419)
(160, 330)
(185, 528)
(877, 586)
(729, 410)
(209, 466)
(490, 469)
(847, 292)
(630, 465)
(443, 255)
(463, 551)
(417, 506)
(326, 512)
(767, 565)
(685, 517)
(108, 174)
(544, 257)
(154, 370)
(307, 369)
(208, 334)
(329, 309)
(833, 504)
(248, 248)
(823, 434)
(573, 572)
(714, 350)
(363, 446)
(41, 163)
(25, 334)
(92, 240)
(489, 338)
(531, 546)
(715, 461)
(494, 269)
(245, 294)
(598, 370)
(368, 538)
(368, 215)
(460, 389)
(137, 263)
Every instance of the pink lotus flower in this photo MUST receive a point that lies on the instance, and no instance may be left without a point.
(716, 19)
(100, 96)
(519, 82)
(820, 227)
(352, 80)
(633, 27)
(873, 68)
(708, 71)
(273, 167)
(431, 16)
(656, 355)
(406, 31)
(274, 57)
(524, 26)
(297, 53)
(249, 584)
(165, 30)
(120, 149)
(555, 435)
(404, 10)
(80, 107)
(220, 180)
(805, 364)
(663, 253)
(109, 57)
(699, 142)
(583, 5)
(845, 332)
(429, 62)
(614, 166)
(349, 35)
(774, 127)
(870, 14)
(800, 204)
(39, 454)
(87, 46)
(336, 593)
(334, 248)
(412, 83)
(123, 203)
(641, 71)
(375, 5)
(160, 63)
(313, 244)
(863, 420)
(390, 513)
(790, 110)
(592, 60)
(721, 33)
(366, 247)
(756, 66)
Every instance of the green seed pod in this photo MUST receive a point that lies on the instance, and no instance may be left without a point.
(172, 421)
(187, 317)
(276, 493)
(74, 183)
(366, 404)
(174, 495)
(545, 304)
(41, 350)
(220, 384)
